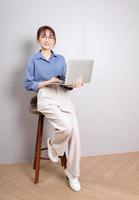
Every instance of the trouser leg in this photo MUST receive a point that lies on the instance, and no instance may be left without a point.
(66, 137)
(61, 124)
(74, 148)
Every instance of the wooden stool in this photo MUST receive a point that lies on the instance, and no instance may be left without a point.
(38, 148)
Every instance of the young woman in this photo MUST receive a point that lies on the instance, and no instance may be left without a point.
(45, 70)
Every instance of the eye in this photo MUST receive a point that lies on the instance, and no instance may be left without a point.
(42, 36)
(52, 37)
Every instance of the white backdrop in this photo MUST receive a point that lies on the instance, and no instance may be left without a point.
(107, 109)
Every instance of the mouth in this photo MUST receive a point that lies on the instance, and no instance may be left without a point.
(46, 44)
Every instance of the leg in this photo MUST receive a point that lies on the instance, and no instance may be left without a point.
(66, 137)
(62, 125)
(74, 147)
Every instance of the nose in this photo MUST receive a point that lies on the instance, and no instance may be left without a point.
(46, 38)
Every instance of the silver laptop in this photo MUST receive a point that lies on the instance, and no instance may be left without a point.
(76, 69)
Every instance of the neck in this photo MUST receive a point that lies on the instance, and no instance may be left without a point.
(46, 53)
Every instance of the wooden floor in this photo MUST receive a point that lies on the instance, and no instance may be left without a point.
(111, 177)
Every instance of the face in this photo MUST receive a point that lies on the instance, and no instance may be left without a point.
(46, 40)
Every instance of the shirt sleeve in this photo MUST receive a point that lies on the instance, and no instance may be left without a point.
(29, 82)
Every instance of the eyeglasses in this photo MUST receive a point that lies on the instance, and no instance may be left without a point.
(48, 38)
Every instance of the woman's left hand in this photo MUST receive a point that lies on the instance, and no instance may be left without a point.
(79, 83)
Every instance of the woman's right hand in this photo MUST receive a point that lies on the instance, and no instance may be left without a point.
(54, 80)
(49, 82)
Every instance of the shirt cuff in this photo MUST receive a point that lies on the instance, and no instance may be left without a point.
(35, 86)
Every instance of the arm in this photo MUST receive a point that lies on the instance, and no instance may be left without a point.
(29, 82)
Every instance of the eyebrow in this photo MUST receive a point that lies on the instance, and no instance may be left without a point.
(43, 34)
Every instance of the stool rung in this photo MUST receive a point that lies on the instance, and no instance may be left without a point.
(46, 148)
(43, 158)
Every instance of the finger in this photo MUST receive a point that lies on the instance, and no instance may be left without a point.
(78, 84)
(58, 80)
(81, 83)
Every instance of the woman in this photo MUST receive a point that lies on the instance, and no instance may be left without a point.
(44, 73)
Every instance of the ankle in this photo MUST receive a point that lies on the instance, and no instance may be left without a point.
(71, 173)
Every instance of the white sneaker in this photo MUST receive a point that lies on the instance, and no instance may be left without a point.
(51, 152)
(73, 181)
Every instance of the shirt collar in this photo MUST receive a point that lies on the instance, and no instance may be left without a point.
(39, 55)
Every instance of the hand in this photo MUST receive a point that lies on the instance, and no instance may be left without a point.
(54, 80)
(50, 81)
(79, 83)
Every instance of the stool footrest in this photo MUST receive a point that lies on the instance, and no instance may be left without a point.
(43, 158)
(45, 148)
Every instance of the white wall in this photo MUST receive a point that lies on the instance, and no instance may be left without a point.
(108, 110)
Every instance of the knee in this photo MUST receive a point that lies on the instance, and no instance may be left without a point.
(67, 128)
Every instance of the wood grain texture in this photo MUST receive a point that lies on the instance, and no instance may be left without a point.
(107, 177)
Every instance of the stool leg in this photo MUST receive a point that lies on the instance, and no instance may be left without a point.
(61, 158)
(34, 164)
(63, 161)
(38, 147)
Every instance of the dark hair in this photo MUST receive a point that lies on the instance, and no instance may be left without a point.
(42, 29)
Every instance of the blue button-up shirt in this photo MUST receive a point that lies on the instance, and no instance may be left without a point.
(39, 69)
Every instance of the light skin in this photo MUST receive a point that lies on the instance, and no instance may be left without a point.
(47, 42)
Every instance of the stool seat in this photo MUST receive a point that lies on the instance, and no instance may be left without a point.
(38, 148)
(33, 105)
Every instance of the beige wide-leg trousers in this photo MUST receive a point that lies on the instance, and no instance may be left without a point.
(55, 103)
